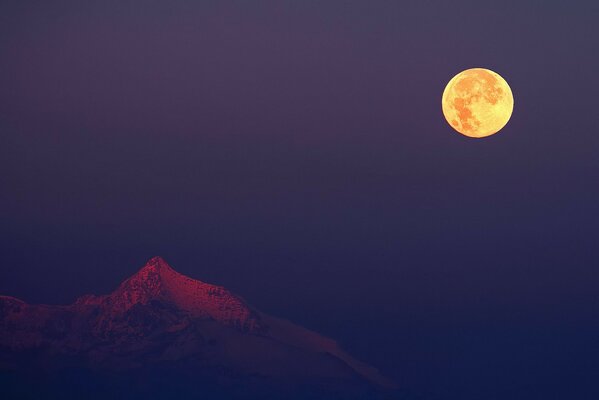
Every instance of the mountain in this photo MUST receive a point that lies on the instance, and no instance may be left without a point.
(161, 333)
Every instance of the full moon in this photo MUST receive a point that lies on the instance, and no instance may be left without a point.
(477, 102)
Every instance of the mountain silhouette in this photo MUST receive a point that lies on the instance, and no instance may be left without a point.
(161, 334)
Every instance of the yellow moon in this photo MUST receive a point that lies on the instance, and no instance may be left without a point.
(477, 102)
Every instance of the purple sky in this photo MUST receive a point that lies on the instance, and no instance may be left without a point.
(296, 153)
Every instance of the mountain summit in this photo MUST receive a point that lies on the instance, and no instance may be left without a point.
(157, 281)
(159, 320)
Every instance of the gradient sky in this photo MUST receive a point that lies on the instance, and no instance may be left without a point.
(296, 153)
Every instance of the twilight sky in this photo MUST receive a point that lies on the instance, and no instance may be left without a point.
(296, 153)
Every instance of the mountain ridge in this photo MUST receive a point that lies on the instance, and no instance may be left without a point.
(157, 280)
(159, 316)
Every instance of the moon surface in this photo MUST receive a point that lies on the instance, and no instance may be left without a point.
(477, 102)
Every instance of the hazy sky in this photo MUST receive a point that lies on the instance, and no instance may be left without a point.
(296, 153)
